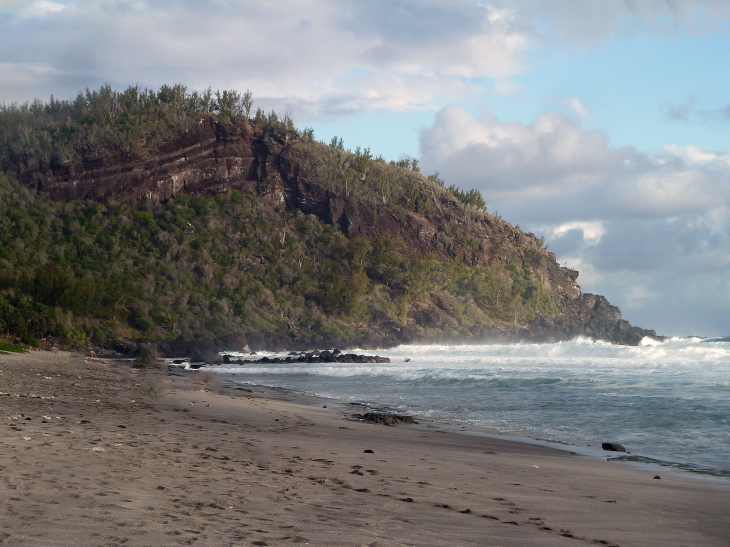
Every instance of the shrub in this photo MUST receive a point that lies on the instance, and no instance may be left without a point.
(30, 340)
(146, 356)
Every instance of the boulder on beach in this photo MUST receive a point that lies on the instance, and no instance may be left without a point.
(613, 447)
(383, 418)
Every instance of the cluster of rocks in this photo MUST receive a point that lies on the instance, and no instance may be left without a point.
(385, 419)
(326, 356)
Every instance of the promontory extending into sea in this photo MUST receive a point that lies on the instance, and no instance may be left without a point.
(180, 222)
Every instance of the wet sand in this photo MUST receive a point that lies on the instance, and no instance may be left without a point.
(117, 456)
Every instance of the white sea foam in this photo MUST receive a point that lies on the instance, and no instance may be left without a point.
(669, 400)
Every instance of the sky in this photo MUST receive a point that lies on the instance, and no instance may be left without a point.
(603, 125)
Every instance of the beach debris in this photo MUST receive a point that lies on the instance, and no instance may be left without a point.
(363, 490)
(465, 512)
(407, 360)
(657, 477)
(98, 449)
(27, 438)
(384, 418)
(536, 467)
(407, 500)
(368, 451)
(613, 447)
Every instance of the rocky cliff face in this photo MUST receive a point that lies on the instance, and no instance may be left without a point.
(272, 163)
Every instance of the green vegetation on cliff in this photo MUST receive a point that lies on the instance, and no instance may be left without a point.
(233, 263)
(130, 123)
(236, 263)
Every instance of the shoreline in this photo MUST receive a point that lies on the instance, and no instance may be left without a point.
(114, 455)
(639, 461)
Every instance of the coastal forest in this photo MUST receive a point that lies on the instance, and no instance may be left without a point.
(180, 219)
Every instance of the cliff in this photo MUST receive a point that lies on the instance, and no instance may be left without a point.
(362, 199)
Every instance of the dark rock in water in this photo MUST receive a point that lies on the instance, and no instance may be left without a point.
(385, 419)
(179, 361)
(325, 356)
(196, 366)
(657, 477)
(368, 451)
(613, 447)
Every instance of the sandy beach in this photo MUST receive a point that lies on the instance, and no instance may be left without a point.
(94, 452)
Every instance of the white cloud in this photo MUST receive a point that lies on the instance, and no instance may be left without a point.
(18, 76)
(592, 231)
(589, 23)
(41, 8)
(576, 106)
(331, 57)
(510, 160)
(698, 156)
(508, 88)
(328, 57)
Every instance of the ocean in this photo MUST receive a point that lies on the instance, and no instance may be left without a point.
(667, 403)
